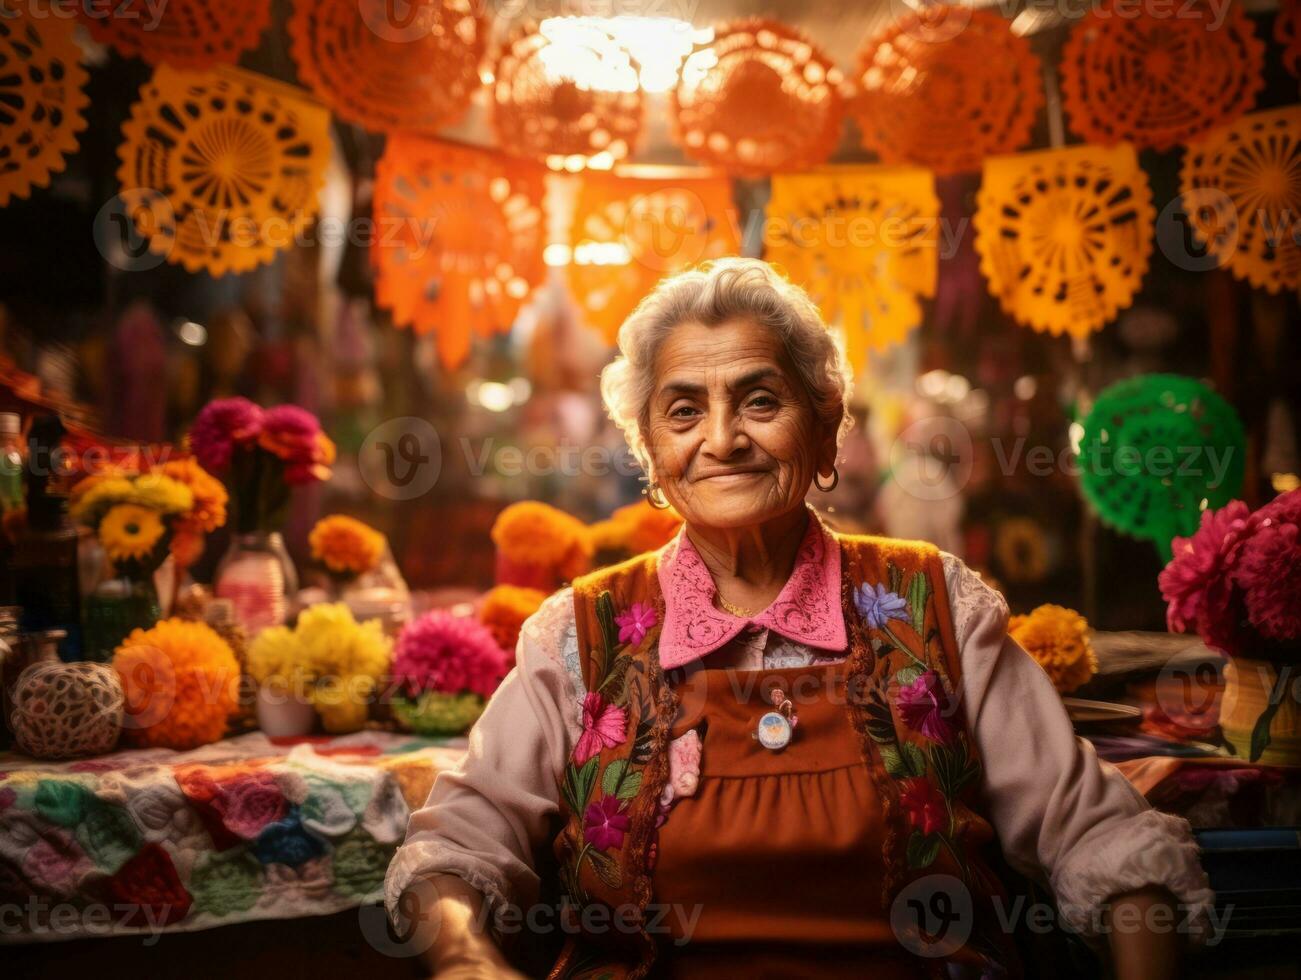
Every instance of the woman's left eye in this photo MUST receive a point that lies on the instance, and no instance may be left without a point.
(761, 401)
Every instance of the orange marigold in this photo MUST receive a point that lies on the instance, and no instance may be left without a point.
(345, 545)
(504, 609)
(210, 497)
(1058, 639)
(181, 681)
(636, 528)
(540, 546)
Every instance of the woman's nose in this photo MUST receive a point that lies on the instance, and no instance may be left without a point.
(724, 435)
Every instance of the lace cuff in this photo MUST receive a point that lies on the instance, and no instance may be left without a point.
(424, 859)
(1149, 848)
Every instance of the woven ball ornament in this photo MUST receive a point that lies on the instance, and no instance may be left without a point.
(1158, 78)
(567, 99)
(758, 99)
(221, 169)
(193, 34)
(863, 243)
(63, 711)
(465, 235)
(1156, 451)
(1064, 235)
(384, 66)
(1241, 189)
(41, 99)
(946, 98)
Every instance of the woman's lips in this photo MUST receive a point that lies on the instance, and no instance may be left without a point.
(728, 475)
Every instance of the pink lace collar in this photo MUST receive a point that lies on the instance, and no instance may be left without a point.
(807, 610)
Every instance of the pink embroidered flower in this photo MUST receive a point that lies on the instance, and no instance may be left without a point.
(604, 725)
(635, 622)
(604, 824)
(1197, 582)
(684, 768)
(923, 804)
(1266, 569)
(926, 707)
(248, 803)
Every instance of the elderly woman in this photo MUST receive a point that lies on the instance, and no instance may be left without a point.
(768, 749)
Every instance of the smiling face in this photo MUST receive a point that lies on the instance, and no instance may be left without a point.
(731, 428)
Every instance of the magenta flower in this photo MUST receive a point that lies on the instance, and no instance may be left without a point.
(926, 707)
(449, 654)
(923, 804)
(604, 825)
(1197, 583)
(604, 725)
(635, 622)
(294, 435)
(1266, 569)
(220, 426)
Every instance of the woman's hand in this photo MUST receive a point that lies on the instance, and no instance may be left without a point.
(451, 926)
(1145, 945)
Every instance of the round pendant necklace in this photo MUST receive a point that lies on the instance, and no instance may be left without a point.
(776, 728)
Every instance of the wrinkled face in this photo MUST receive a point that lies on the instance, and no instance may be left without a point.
(732, 430)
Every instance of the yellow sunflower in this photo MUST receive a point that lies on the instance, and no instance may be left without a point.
(130, 532)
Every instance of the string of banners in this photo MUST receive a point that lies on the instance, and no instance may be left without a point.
(220, 168)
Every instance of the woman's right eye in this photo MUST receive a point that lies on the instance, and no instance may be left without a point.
(683, 411)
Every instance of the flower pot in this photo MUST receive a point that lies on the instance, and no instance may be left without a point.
(1251, 687)
(258, 577)
(282, 714)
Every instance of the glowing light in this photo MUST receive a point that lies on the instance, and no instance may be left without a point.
(647, 53)
(194, 334)
(1025, 387)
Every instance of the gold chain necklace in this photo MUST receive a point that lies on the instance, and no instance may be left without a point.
(735, 610)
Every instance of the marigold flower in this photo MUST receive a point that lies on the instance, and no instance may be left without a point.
(540, 546)
(345, 545)
(130, 533)
(1058, 639)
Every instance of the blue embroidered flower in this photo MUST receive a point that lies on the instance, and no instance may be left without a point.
(879, 605)
(286, 842)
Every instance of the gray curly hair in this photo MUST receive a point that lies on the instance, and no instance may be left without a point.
(712, 294)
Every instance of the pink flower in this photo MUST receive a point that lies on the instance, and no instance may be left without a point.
(604, 725)
(248, 803)
(604, 824)
(923, 804)
(449, 654)
(294, 435)
(1197, 583)
(220, 426)
(926, 707)
(1266, 570)
(635, 622)
(684, 768)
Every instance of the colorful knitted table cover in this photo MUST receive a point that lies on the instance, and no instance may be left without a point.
(141, 841)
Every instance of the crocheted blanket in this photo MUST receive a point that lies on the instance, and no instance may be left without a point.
(144, 841)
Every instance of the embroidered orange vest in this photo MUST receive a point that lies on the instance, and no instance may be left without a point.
(903, 673)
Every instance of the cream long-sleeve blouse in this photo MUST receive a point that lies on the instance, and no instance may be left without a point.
(1062, 815)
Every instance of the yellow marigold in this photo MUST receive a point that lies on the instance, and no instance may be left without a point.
(273, 658)
(503, 611)
(129, 532)
(636, 528)
(1058, 638)
(345, 545)
(181, 681)
(541, 540)
(333, 644)
(208, 511)
(344, 702)
(163, 494)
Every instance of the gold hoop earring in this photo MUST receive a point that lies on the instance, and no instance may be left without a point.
(659, 502)
(835, 480)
